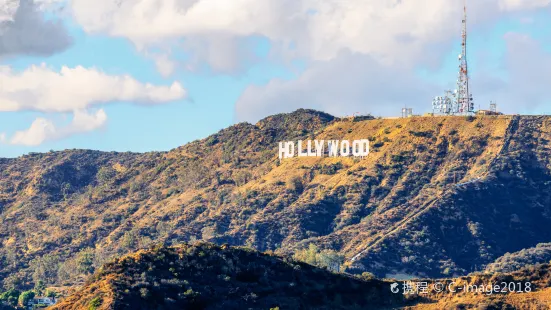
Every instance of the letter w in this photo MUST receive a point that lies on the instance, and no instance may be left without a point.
(333, 146)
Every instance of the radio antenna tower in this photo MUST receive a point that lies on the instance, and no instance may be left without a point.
(464, 97)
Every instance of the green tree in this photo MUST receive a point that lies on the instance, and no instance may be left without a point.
(105, 174)
(50, 293)
(10, 297)
(40, 288)
(45, 268)
(25, 297)
(309, 256)
(331, 260)
(85, 261)
(65, 190)
(129, 240)
(94, 303)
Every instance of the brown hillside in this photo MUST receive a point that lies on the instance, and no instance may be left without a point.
(65, 213)
(532, 285)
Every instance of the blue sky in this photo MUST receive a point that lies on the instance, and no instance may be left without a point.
(248, 69)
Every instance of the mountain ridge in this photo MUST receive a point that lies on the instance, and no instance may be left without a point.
(400, 203)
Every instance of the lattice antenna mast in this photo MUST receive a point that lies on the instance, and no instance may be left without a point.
(464, 98)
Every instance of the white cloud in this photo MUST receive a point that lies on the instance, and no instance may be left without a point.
(43, 130)
(382, 28)
(224, 53)
(24, 30)
(341, 87)
(388, 38)
(388, 30)
(524, 87)
(83, 122)
(512, 5)
(39, 88)
(39, 131)
(72, 90)
(164, 64)
(8, 9)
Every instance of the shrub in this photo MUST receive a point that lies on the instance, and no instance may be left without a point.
(50, 293)
(424, 134)
(294, 184)
(94, 303)
(367, 276)
(25, 297)
(211, 141)
(331, 169)
(397, 158)
(144, 292)
(10, 297)
(105, 174)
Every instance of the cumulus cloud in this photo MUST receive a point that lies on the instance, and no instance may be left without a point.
(38, 132)
(385, 36)
(315, 29)
(40, 88)
(24, 30)
(42, 130)
(342, 86)
(524, 88)
(223, 53)
(523, 4)
(72, 90)
(388, 30)
(8, 9)
(164, 64)
(357, 83)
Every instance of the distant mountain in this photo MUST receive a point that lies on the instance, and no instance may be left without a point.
(436, 197)
(515, 261)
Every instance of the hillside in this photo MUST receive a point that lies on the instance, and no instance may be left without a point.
(63, 214)
(515, 261)
(205, 276)
(538, 298)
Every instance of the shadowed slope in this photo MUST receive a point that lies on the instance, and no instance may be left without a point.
(205, 276)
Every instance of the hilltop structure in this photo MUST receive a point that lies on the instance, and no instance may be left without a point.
(459, 101)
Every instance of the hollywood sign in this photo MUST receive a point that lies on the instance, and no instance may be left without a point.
(335, 148)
